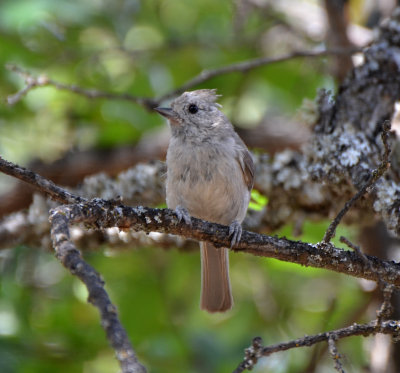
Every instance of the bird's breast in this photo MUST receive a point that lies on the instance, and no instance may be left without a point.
(207, 181)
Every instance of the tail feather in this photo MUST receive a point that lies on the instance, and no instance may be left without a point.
(216, 294)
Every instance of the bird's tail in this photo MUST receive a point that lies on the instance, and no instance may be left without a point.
(216, 294)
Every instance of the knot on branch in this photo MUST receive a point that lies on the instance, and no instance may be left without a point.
(251, 355)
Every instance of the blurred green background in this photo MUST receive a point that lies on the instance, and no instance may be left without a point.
(147, 48)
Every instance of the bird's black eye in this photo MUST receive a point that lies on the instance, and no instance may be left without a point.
(193, 109)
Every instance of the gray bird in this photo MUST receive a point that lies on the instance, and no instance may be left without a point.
(210, 174)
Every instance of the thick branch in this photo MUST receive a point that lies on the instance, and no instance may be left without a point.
(105, 214)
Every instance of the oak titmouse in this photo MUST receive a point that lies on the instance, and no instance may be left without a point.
(210, 174)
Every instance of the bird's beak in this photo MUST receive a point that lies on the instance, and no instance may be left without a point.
(168, 113)
(165, 112)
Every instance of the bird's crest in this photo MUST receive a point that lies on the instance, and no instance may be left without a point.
(208, 96)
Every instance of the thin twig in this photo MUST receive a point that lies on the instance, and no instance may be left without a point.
(386, 308)
(357, 250)
(391, 327)
(248, 65)
(335, 354)
(33, 82)
(375, 176)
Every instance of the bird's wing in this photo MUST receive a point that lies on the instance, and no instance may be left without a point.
(246, 164)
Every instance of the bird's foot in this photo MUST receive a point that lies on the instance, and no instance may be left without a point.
(235, 231)
(182, 213)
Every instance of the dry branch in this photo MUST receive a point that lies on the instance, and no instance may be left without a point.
(257, 350)
(41, 183)
(243, 67)
(32, 82)
(335, 354)
(104, 214)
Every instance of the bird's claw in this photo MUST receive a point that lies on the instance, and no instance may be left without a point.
(235, 231)
(182, 213)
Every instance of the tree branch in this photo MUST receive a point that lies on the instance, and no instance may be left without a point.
(104, 214)
(71, 258)
(386, 308)
(336, 12)
(257, 350)
(42, 184)
(32, 82)
(335, 354)
(246, 66)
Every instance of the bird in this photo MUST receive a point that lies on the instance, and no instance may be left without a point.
(210, 175)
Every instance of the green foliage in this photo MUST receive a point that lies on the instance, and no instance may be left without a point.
(258, 201)
(147, 48)
(144, 48)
